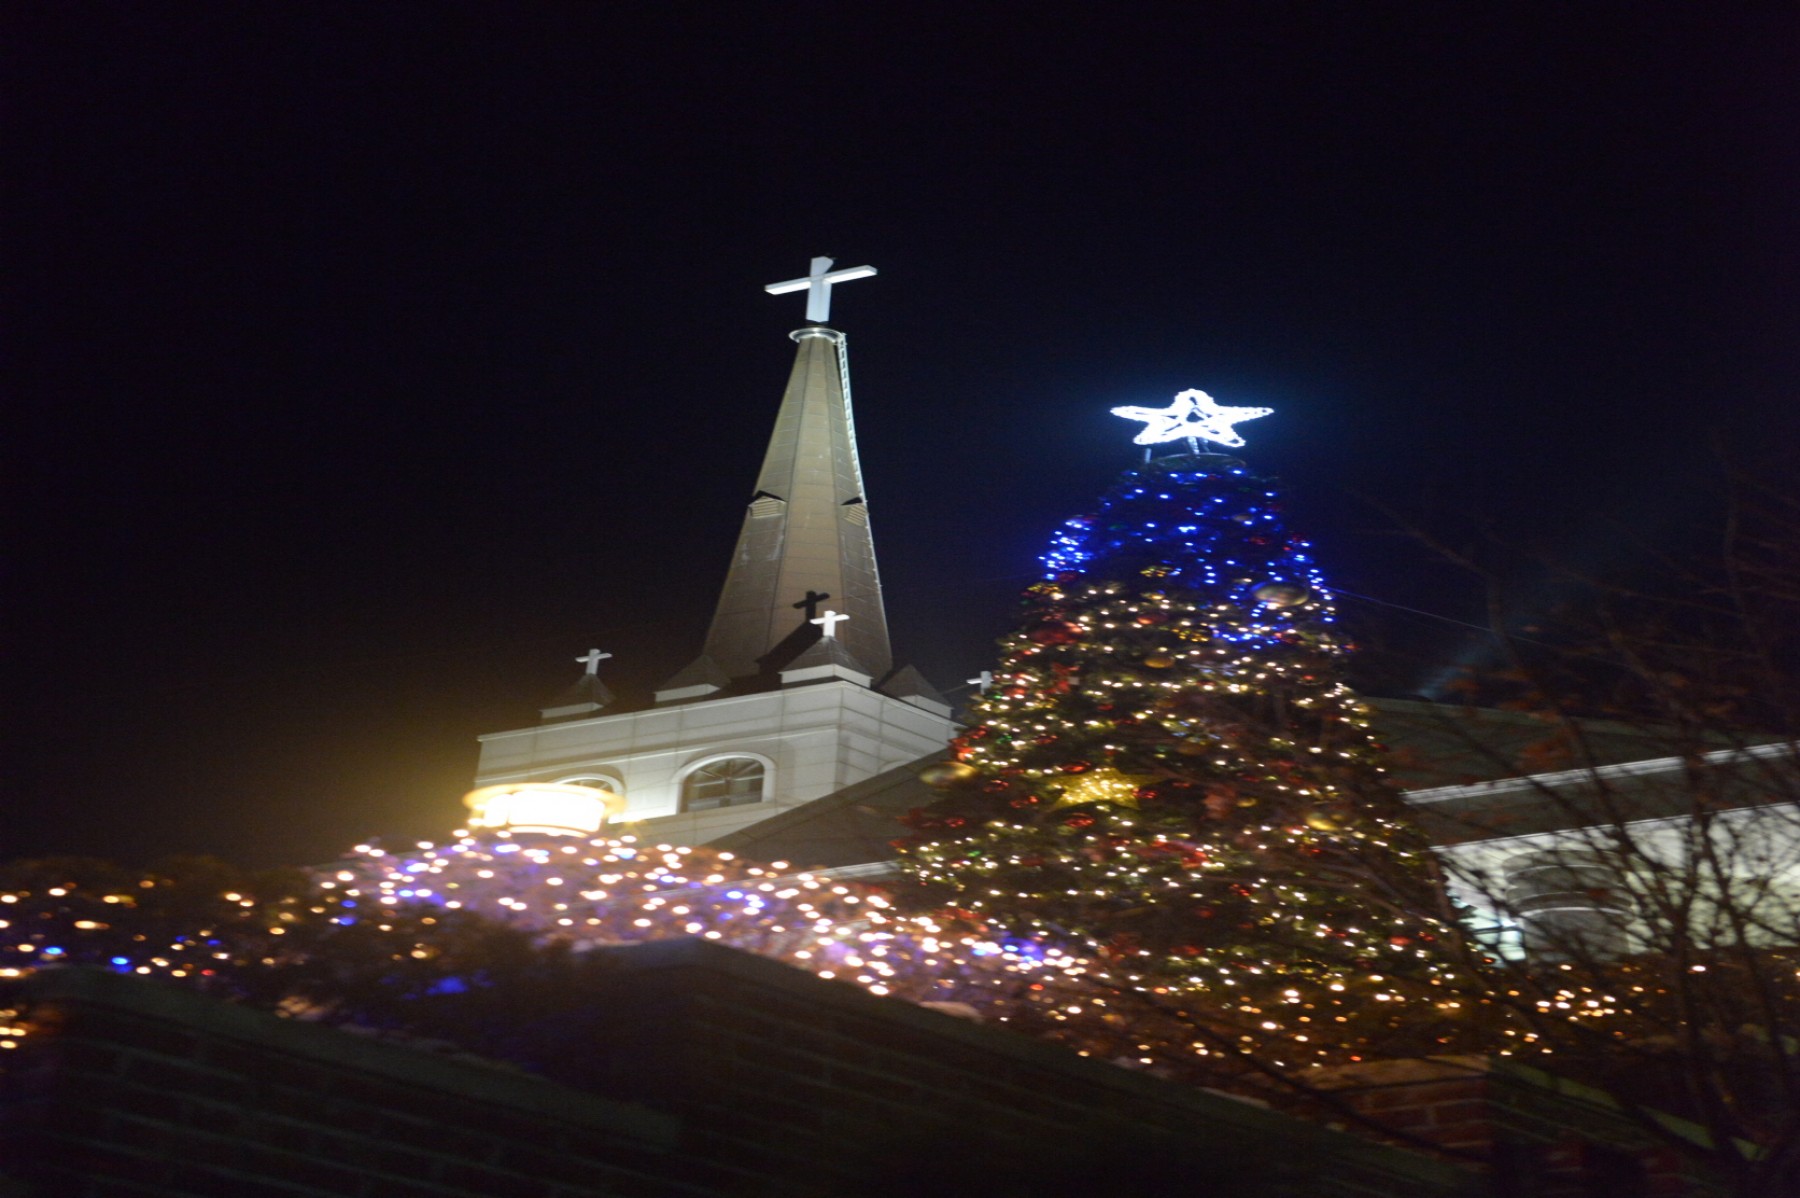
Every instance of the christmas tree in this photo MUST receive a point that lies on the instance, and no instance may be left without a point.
(1168, 774)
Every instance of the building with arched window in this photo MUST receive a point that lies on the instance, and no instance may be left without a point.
(795, 695)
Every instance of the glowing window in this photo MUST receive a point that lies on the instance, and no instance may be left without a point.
(729, 782)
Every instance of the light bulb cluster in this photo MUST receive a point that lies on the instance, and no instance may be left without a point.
(600, 891)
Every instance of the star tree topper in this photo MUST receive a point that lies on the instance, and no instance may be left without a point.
(1194, 415)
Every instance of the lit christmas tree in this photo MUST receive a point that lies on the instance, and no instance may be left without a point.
(1169, 775)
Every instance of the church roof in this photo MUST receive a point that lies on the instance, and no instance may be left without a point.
(853, 826)
(1432, 745)
(907, 683)
(586, 697)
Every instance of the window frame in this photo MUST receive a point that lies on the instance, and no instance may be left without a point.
(686, 781)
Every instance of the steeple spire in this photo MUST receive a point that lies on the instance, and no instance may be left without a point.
(805, 537)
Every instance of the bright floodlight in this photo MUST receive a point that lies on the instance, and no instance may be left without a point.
(555, 808)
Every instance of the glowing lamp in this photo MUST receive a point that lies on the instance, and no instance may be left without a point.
(553, 808)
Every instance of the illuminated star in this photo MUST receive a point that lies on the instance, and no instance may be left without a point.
(1194, 415)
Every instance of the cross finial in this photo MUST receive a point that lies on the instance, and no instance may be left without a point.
(592, 659)
(810, 604)
(830, 620)
(818, 287)
(981, 681)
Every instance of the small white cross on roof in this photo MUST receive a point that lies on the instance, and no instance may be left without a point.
(830, 620)
(818, 286)
(592, 659)
(981, 681)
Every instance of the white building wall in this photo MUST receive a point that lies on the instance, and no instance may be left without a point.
(813, 740)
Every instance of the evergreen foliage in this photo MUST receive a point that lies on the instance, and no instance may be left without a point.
(1169, 775)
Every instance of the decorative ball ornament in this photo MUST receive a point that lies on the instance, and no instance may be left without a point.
(943, 775)
(1318, 821)
(1102, 786)
(1159, 661)
(1280, 594)
(1055, 633)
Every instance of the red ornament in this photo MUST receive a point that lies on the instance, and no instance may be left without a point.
(1080, 821)
(1024, 801)
(1077, 767)
(1055, 632)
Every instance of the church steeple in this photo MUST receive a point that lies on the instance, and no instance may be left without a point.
(795, 698)
(804, 552)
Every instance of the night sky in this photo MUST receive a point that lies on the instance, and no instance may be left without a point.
(370, 361)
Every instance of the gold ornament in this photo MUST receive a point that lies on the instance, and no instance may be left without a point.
(1280, 594)
(1318, 821)
(1102, 786)
(1159, 661)
(942, 775)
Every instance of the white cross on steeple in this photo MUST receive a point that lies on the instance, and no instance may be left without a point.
(830, 620)
(818, 287)
(981, 681)
(592, 659)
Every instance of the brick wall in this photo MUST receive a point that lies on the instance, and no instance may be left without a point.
(130, 1088)
(1542, 1137)
(804, 1086)
(759, 1079)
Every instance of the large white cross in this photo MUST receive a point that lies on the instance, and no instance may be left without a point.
(981, 681)
(592, 659)
(830, 620)
(818, 287)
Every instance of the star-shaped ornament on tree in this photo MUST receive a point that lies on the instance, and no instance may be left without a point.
(1194, 416)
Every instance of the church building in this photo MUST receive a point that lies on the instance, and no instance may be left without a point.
(795, 695)
(793, 736)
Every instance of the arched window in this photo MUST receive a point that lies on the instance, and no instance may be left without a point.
(727, 782)
(595, 781)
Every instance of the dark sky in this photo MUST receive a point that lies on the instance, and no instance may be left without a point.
(370, 361)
